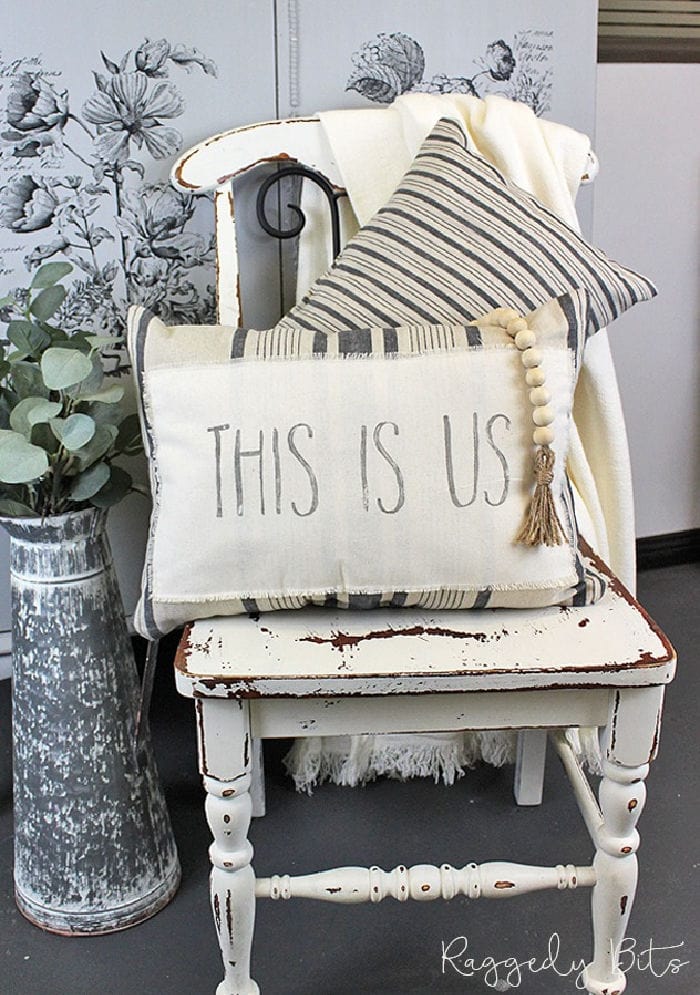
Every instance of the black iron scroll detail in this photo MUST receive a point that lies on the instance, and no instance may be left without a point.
(332, 195)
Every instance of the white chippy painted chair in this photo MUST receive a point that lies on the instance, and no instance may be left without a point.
(318, 672)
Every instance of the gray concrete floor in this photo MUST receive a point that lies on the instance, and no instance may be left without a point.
(308, 948)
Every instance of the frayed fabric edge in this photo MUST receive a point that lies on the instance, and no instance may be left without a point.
(586, 745)
(357, 760)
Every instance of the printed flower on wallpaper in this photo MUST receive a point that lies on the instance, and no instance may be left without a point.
(36, 114)
(129, 237)
(128, 108)
(391, 64)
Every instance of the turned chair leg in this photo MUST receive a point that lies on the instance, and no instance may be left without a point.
(632, 739)
(225, 763)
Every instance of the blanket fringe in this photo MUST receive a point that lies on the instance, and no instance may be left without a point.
(358, 760)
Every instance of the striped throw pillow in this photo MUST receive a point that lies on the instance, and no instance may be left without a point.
(456, 240)
(381, 466)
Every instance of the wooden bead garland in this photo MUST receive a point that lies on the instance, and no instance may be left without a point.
(539, 395)
(541, 525)
(535, 377)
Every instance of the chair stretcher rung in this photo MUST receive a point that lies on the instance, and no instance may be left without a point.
(424, 882)
(586, 800)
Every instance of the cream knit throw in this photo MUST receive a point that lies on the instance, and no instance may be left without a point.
(373, 150)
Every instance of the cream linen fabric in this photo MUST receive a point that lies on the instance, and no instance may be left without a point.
(394, 463)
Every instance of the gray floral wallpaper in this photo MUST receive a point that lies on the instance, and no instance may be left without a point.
(520, 69)
(77, 172)
(76, 176)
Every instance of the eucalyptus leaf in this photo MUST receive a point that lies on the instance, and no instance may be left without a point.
(50, 273)
(20, 461)
(63, 368)
(48, 302)
(32, 411)
(114, 490)
(93, 382)
(17, 356)
(105, 414)
(58, 336)
(42, 435)
(15, 509)
(129, 437)
(78, 341)
(26, 336)
(89, 482)
(108, 395)
(102, 341)
(73, 432)
(27, 380)
(100, 444)
(6, 301)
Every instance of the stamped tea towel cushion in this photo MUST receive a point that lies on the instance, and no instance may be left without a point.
(456, 239)
(366, 467)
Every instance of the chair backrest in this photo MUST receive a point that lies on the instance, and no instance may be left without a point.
(214, 164)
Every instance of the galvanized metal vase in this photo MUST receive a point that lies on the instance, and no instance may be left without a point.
(94, 850)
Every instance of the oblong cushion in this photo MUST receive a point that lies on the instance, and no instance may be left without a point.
(366, 467)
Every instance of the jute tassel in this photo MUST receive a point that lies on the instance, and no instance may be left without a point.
(541, 525)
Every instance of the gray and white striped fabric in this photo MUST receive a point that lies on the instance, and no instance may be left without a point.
(194, 361)
(457, 240)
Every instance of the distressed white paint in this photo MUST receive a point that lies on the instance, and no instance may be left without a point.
(213, 165)
(633, 732)
(622, 796)
(611, 643)
(227, 275)
(223, 157)
(312, 673)
(431, 711)
(225, 763)
(424, 882)
(631, 718)
(630, 715)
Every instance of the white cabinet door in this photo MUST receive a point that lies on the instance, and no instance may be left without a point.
(364, 54)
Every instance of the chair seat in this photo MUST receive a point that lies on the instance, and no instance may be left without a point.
(317, 652)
